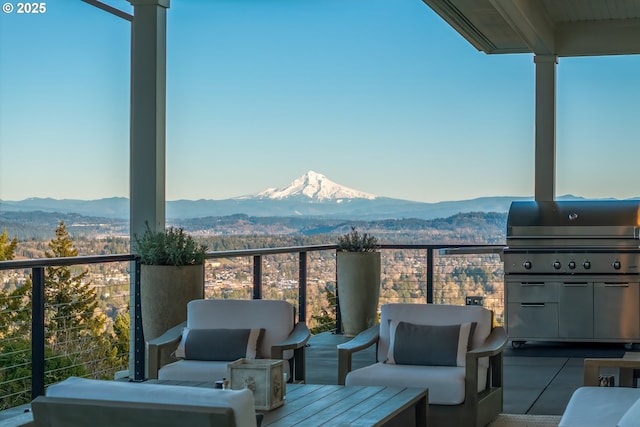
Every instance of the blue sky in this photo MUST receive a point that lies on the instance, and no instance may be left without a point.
(378, 95)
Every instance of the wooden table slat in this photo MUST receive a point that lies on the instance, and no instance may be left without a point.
(379, 415)
(327, 415)
(298, 411)
(377, 402)
(296, 391)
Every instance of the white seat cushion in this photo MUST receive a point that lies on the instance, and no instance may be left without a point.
(241, 401)
(194, 370)
(200, 370)
(598, 406)
(445, 383)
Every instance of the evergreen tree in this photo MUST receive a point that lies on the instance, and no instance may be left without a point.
(78, 337)
(75, 325)
(121, 330)
(7, 304)
(7, 247)
(326, 320)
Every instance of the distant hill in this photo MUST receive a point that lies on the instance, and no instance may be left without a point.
(311, 195)
(473, 227)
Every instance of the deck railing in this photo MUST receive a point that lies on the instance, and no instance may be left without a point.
(411, 273)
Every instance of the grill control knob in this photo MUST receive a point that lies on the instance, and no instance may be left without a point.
(586, 265)
(557, 265)
(527, 265)
(616, 265)
(572, 265)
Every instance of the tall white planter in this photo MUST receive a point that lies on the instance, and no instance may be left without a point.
(165, 291)
(358, 290)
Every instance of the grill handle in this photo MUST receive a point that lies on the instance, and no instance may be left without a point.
(616, 285)
(575, 285)
(531, 304)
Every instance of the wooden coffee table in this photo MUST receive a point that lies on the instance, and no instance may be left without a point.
(333, 405)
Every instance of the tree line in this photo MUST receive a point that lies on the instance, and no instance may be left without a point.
(80, 340)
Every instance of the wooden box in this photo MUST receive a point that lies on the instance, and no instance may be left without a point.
(265, 377)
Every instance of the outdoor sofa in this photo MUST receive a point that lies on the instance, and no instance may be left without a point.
(595, 406)
(80, 402)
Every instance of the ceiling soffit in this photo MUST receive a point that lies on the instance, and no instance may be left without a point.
(545, 27)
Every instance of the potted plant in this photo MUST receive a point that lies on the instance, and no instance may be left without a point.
(358, 271)
(171, 275)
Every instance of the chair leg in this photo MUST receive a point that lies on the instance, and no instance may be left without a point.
(299, 369)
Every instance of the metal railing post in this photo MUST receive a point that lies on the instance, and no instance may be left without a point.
(138, 337)
(429, 275)
(302, 287)
(257, 277)
(338, 316)
(37, 332)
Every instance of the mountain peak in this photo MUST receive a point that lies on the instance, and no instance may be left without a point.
(314, 186)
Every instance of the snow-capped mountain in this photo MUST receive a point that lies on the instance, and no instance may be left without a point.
(318, 187)
(311, 195)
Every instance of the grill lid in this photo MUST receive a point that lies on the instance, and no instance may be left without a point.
(610, 223)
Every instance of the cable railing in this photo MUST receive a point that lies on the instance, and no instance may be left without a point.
(34, 355)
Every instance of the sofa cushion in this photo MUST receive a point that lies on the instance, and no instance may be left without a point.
(631, 418)
(430, 345)
(598, 406)
(241, 401)
(445, 383)
(218, 344)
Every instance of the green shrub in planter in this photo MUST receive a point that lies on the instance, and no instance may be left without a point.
(170, 247)
(356, 242)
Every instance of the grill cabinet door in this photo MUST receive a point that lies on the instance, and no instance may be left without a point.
(575, 310)
(616, 310)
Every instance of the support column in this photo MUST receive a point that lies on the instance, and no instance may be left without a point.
(148, 111)
(545, 130)
(147, 133)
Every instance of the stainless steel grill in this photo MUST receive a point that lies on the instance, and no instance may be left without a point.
(594, 237)
(572, 271)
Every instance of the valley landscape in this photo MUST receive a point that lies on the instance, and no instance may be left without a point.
(312, 210)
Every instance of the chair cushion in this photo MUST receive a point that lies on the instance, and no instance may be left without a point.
(435, 314)
(200, 370)
(275, 316)
(241, 401)
(218, 344)
(194, 370)
(445, 383)
(429, 345)
(598, 406)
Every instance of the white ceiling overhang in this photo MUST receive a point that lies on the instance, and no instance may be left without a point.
(546, 27)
